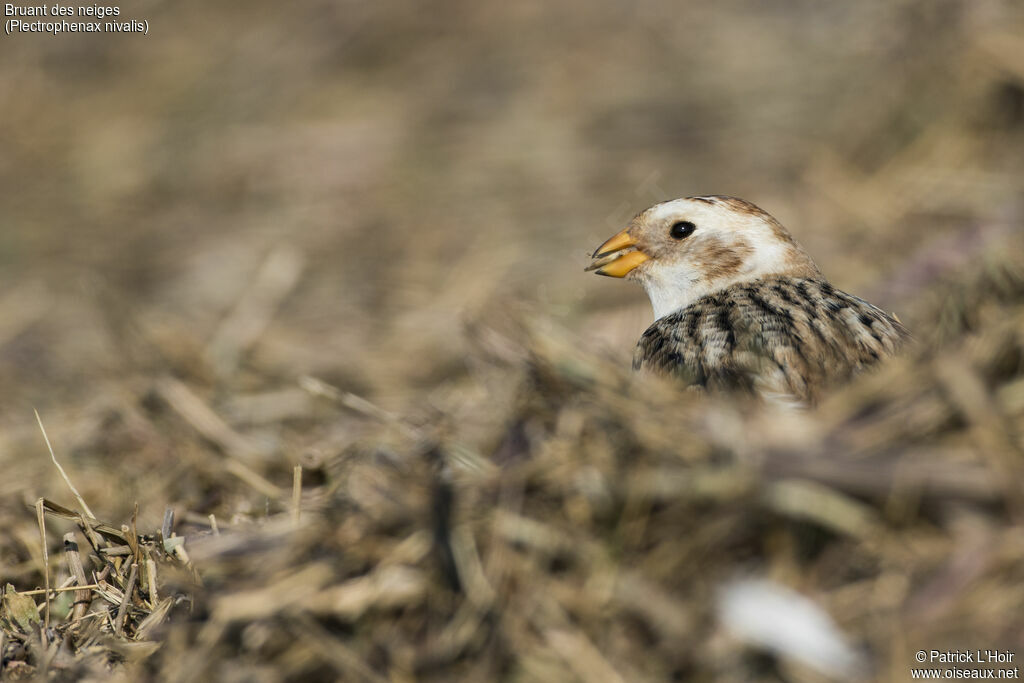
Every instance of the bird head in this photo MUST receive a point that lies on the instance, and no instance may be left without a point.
(684, 249)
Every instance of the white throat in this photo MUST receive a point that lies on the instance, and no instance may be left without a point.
(674, 290)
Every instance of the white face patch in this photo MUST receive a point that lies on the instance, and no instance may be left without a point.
(660, 212)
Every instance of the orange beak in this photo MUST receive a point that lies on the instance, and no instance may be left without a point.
(618, 256)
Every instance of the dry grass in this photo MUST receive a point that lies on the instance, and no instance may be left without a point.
(366, 263)
(588, 533)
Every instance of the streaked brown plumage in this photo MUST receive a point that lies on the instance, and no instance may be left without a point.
(740, 305)
(775, 335)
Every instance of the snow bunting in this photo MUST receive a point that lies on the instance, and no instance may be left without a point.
(740, 305)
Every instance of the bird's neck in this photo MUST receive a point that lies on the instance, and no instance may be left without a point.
(673, 289)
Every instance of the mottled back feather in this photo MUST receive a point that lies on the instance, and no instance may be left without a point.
(781, 337)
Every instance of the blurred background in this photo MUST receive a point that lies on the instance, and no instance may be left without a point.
(258, 192)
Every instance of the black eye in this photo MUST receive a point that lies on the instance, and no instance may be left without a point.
(682, 229)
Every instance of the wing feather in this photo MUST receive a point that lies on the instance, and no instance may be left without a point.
(777, 337)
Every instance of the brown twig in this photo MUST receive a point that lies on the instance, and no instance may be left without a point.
(205, 421)
(296, 494)
(63, 474)
(74, 558)
(123, 609)
(41, 518)
(62, 589)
